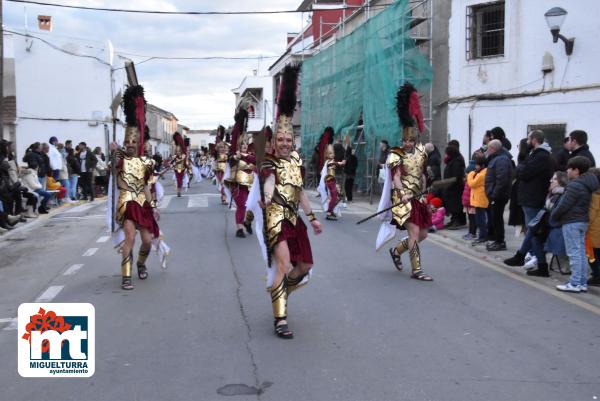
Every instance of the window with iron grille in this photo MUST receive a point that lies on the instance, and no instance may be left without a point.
(485, 30)
(554, 134)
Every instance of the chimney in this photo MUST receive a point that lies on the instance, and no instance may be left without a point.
(45, 22)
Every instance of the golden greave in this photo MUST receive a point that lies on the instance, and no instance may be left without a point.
(279, 300)
(292, 284)
(402, 246)
(249, 217)
(126, 266)
(143, 255)
(415, 258)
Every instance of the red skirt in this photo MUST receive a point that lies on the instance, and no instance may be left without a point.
(297, 241)
(142, 217)
(419, 215)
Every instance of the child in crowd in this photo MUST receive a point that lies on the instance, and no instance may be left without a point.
(573, 213)
(470, 211)
(478, 199)
(437, 214)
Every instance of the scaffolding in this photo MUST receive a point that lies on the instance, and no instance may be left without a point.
(351, 85)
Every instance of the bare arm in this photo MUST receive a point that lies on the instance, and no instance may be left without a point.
(305, 205)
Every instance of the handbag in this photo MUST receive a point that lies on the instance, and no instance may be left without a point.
(539, 224)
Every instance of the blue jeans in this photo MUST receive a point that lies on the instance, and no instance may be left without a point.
(529, 213)
(73, 187)
(55, 174)
(481, 219)
(43, 181)
(46, 197)
(574, 234)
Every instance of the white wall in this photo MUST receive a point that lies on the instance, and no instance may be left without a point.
(52, 85)
(527, 39)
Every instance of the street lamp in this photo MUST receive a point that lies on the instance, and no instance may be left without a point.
(555, 18)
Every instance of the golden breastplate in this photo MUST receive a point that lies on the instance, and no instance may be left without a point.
(330, 170)
(221, 162)
(179, 163)
(131, 180)
(245, 173)
(286, 196)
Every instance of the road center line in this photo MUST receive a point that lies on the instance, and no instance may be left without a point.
(50, 293)
(72, 270)
(12, 323)
(104, 238)
(90, 252)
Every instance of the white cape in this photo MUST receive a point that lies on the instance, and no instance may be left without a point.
(226, 189)
(387, 231)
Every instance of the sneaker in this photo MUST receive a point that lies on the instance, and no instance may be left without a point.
(583, 288)
(531, 263)
(479, 241)
(569, 288)
(528, 256)
(469, 237)
(496, 246)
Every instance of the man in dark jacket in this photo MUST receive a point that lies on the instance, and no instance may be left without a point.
(534, 174)
(88, 163)
(349, 173)
(561, 157)
(498, 182)
(434, 163)
(455, 168)
(573, 213)
(579, 146)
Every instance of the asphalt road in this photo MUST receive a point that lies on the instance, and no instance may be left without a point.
(202, 329)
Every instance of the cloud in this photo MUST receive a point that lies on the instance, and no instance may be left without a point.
(198, 92)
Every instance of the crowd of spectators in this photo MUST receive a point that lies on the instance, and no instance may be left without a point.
(50, 173)
(553, 197)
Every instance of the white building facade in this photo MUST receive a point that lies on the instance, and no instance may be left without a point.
(255, 94)
(506, 71)
(64, 90)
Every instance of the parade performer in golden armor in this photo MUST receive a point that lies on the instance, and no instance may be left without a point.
(330, 185)
(405, 185)
(220, 163)
(180, 161)
(285, 234)
(241, 173)
(135, 208)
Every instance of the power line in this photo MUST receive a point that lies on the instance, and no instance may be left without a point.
(148, 58)
(254, 12)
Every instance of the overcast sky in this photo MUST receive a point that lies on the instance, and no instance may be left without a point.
(198, 92)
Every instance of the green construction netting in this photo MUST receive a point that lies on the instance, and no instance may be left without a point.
(358, 77)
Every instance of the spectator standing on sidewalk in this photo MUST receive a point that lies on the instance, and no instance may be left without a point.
(561, 157)
(498, 133)
(498, 182)
(74, 171)
(594, 233)
(479, 200)
(579, 146)
(55, 158)
(350, 173)
(533, 175)
(573, 213)
(101, 178)
(434, 163)
(47, 171)
(88, 163)
(455, 168)
(63, 176)
(548, 235)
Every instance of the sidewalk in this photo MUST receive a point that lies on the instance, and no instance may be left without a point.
(22, 228)
(452, 239)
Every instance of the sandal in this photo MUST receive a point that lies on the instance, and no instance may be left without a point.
(282, 330)
(142, 272)
(396, 259)
(126, 284)
(421, 276)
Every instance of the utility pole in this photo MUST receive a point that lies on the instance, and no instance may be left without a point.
(1, 73)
